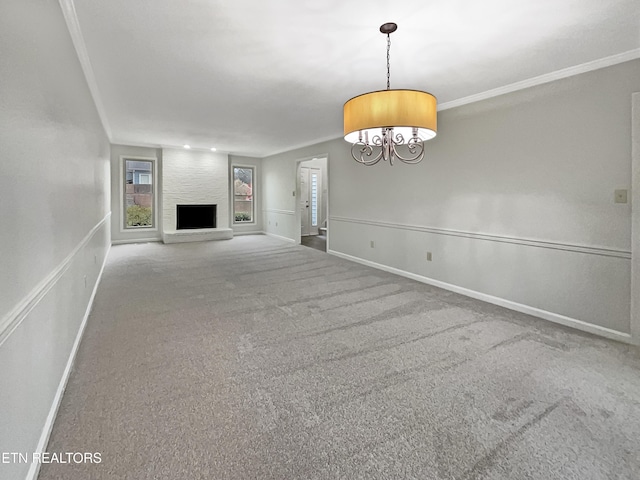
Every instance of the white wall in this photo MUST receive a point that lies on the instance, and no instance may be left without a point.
(514, 200)
(118, 234)
(54, 188)
(195, 177)
(256, 226)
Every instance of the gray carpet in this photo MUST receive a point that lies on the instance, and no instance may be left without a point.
(256, 359)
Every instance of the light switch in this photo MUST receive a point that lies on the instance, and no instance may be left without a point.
(620, 196)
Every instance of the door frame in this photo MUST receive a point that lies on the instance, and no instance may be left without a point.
(635, 219)
(297, 237)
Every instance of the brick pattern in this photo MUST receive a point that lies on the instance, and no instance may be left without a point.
(192, 177)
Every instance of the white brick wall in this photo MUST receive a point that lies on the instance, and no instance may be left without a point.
(192, 177)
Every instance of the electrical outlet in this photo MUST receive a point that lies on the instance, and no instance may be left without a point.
(293, 193)
(620, 196)
(373, 244)
(269, 222)
(428, 256)
(276, 224)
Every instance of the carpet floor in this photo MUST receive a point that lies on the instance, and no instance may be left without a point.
(256, 359)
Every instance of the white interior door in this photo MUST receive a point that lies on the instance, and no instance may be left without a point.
(305, 220)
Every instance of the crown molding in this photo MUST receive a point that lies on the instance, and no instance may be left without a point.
(73, 25)
(513, 87)
(161, 146)
(546, 78)
(310, 143)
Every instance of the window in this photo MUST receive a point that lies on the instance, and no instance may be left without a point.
(243, 194)
(314, 199)
(139, 195)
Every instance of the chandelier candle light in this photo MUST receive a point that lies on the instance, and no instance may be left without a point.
(377, 123)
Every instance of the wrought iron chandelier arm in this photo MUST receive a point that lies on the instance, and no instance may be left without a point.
(417, 154)
(415, 146)
(365, 154)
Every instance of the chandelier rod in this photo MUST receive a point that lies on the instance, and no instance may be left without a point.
(388, 29)
(388, 61)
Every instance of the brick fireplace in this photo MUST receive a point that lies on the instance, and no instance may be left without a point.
(198, 179)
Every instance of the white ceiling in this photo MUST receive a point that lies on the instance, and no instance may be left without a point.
(256, 77)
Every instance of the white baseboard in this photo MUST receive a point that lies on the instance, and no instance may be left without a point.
(286, 239)
(518, 307)
(34, 469)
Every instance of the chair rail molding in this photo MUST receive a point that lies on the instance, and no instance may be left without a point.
(278, 211)
(15, 316)
(586, 249)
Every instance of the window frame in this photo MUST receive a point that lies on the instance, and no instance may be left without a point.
(254, 170)
(123, 194)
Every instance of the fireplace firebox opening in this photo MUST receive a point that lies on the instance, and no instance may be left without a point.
(195, 216)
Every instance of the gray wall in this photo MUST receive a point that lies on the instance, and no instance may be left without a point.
(54, 184)
(515, 200)
(118, 234)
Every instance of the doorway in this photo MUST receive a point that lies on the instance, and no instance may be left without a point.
(635, 219)
(312, 208)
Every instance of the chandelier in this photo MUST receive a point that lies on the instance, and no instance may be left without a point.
(390, 124)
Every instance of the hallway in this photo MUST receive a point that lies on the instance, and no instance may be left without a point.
(319, 242)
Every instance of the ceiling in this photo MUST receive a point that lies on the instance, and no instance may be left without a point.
(255, 77)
